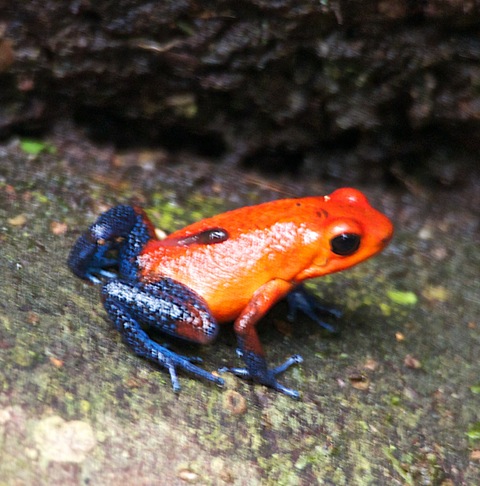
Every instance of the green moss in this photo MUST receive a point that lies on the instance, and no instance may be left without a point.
(167, 214)
(23, 357)
(279, 470)
(473, 432)
(395, 400)
(402, 297)
(397, 465)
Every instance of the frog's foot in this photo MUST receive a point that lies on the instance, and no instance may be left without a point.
(88, 259)
(257, 371)
(299, 299)
(171, 361)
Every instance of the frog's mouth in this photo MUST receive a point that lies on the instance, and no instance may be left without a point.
(386, 240)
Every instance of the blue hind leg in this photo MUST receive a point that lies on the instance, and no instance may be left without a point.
(167, 306)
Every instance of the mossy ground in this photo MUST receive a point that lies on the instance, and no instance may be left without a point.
(390, 400)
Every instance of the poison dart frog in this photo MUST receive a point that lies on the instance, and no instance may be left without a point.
(231, 267)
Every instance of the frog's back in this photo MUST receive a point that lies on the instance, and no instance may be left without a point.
(259, 217)
(287, 239)
(264, 242)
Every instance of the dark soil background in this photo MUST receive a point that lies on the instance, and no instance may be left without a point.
(364, 88)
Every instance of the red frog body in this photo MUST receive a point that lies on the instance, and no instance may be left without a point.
(232, 267)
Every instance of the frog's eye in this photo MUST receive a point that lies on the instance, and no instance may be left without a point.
(345, 244)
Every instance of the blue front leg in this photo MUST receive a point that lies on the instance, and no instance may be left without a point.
(299, 299)
(167, 306)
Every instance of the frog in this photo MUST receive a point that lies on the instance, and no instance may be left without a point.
(231, 267)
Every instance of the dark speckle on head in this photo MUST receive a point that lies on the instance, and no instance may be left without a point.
(206, 237)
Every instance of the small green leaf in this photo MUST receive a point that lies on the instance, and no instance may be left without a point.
(475, 389)
(35, 147)
(474, 431)
(401, 297)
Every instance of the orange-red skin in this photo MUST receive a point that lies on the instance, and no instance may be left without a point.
(270, 248)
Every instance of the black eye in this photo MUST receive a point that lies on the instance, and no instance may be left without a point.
(345, 244)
